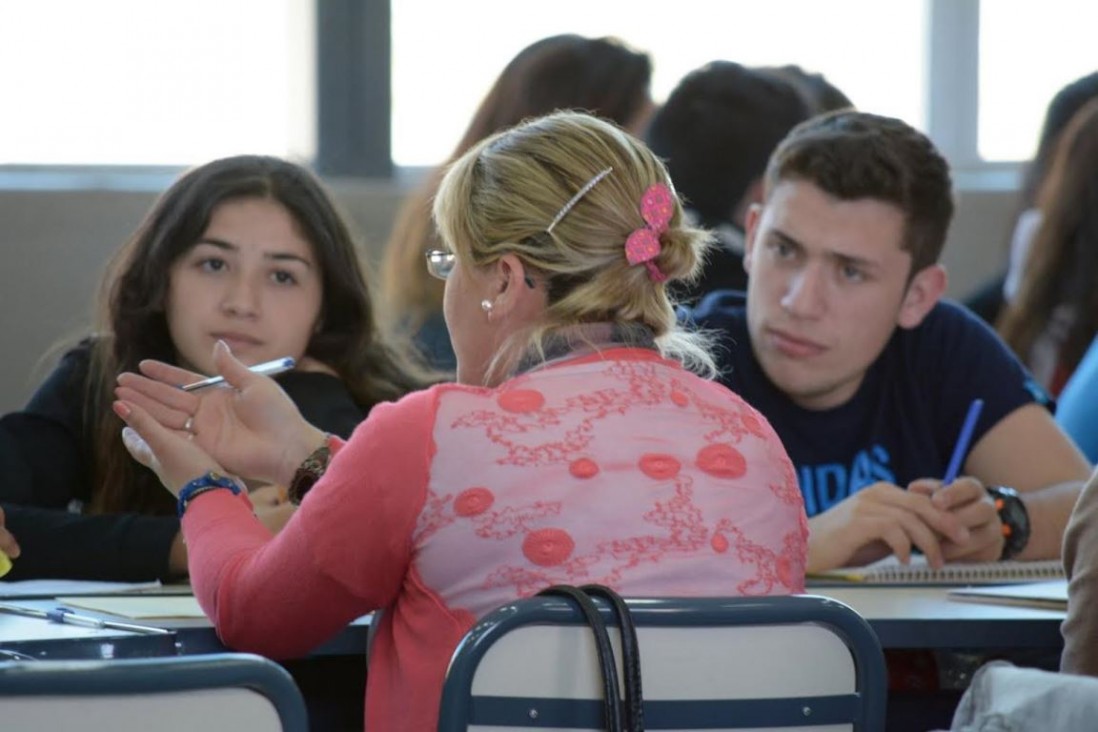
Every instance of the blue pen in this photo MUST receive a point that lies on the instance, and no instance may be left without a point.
(963, 440)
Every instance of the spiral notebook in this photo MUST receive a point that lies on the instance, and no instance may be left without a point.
(917, 572)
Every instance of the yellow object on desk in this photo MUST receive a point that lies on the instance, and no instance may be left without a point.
(5, 564)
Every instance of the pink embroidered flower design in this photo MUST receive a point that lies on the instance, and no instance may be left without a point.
(547, 547)
(659, 467)
(521, 401)
(584, 468)
(722, 461)
(719, 542)
(473, 502)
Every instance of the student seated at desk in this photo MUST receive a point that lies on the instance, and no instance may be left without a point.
(245, 249)
(575, 448)
(867, 376)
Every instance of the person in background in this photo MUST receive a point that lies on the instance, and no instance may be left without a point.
(1077, 405)
(989, 299)
(867, 375)
(601, 76)
(715, 132)
(819, 93)
(249, 250)
(1052, 320)
(575, 447)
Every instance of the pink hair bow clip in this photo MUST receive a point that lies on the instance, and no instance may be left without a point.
(643, 245)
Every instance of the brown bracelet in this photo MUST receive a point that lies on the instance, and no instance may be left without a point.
(309, 472)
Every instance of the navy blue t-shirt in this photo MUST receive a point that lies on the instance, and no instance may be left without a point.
(903, 421)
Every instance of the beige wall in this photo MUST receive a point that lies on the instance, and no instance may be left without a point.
(55, 245)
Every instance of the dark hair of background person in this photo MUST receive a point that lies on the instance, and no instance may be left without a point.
(820, 94)
(1062, 267)
(1067, 102)
(988, 300)
(601, 76)
(852, 155)
(717, 130)
(132, 322)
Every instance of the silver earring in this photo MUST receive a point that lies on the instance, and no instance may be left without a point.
(486, 306)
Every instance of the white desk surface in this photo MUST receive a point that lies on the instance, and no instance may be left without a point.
(924, 617)
(925, 603)
(902, 617)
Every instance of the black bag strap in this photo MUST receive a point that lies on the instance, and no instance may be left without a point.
(630, 656)
(608, 668)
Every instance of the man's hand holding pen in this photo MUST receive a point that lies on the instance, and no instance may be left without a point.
(969, 502)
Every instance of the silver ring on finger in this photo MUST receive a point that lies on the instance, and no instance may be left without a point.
(188, 426)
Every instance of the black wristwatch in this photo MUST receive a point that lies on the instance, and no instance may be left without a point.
(1014, 517)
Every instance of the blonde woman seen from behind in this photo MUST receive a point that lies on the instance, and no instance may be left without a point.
(575, 448)
(601, 76)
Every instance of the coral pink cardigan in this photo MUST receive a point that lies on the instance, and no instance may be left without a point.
(618, 467)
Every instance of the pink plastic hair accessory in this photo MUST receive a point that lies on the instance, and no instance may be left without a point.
(643, 245)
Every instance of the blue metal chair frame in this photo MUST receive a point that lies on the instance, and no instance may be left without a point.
(158, 675)
(864, 709)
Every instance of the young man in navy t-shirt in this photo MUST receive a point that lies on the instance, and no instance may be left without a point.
(843, 343)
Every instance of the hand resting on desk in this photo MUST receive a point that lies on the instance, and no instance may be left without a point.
(880, 519)
(967, 500)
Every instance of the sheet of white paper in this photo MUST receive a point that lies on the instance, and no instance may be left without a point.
(139, 607)
(53, 588)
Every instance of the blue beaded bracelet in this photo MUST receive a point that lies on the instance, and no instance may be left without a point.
(203, 483)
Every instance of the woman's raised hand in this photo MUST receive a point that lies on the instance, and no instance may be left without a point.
(249, 426)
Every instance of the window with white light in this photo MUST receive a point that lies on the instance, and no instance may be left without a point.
(874, 51)
(140, 82)
(1028, 52)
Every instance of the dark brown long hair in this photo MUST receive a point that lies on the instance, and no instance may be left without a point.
(1062, 267)
(597, 75)
(133, 325)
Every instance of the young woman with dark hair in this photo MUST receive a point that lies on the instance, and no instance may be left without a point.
(249, 250)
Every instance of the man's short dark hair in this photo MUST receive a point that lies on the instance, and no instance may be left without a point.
(852, 155)
(716, 131)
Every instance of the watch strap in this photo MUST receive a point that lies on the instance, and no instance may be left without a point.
(1014, 518)
(209, 481)
(309, 472)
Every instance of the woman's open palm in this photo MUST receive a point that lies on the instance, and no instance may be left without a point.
(248, 425)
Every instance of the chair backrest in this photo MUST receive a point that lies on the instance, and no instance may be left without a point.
(769, 663)
(211, 693)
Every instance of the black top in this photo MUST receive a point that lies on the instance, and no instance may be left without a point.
(47, 480)
(723, 268)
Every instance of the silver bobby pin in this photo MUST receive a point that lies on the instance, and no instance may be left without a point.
(576, 198)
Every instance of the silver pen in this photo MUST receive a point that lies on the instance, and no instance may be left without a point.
(269, 368)
(68, 617)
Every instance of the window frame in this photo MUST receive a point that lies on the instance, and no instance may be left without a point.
(354, 95)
